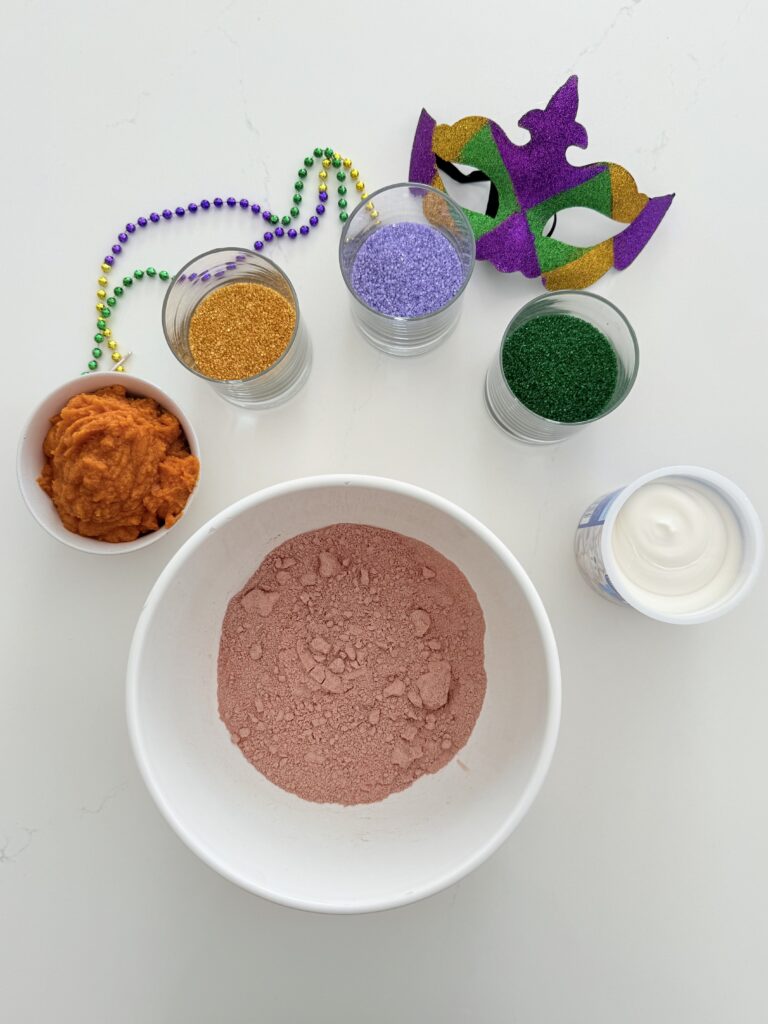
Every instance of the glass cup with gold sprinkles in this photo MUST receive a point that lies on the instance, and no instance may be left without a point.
(231, 316)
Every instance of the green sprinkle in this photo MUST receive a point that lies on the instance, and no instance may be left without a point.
(560, 367)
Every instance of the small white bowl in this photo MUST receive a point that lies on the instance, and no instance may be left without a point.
(326, 857)
(29, 458)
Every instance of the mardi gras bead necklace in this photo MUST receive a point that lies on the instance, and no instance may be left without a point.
(279, 226)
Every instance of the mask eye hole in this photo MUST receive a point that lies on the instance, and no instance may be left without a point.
(472, 195)
(580, 226)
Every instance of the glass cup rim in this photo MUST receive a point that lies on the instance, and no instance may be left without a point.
(455, 208)
(256, 256)
(590, 296)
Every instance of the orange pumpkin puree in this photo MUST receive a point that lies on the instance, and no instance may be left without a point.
(117, 467)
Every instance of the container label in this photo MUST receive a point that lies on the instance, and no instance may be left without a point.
(588, 547)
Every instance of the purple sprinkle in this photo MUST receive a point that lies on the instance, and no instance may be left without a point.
(154, 217)
(266, 215)
(231, 201)
(304, 229)
(122, 237)
(180, 211)
(244, 203)
(323, 196)
(205, 277)
(109, 260)
(320, 209)
(192, 276)
(117, 249)
(142, 222)
(219, 273)
(291, 232)
(258, 245)
(130, 228)
(268, 236)
(231, 266)
(240, 257)
(205, 204)
(313, 221)
(192, 207)
(256, 208)
(184, 278)
(218, 201)
(407, 270)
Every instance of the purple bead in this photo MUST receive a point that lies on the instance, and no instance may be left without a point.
(268, 236)
(258, 246)
(167, 214)
(256, 208)
(304, 229)
(313, 221)
(180, 211)
(266, 215)
(205, 203)
(130, 228)
(320, 209)
(279, 232)
(231, 201)
(323, 196)
(192, 207)
(117, 249)
(218, 201)
(122, 237)
(109, 260)
(142, 222)
(154, 217)
(291, 232)
(244, 203)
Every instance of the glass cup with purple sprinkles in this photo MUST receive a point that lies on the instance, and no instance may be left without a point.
(406, 254)
(566, 360)
(251, 346)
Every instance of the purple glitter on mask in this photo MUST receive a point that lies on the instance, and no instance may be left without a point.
(407, 270)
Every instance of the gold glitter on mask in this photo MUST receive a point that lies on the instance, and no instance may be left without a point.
(626, 200)
(584, 271)
(239, 330)
(450, 139)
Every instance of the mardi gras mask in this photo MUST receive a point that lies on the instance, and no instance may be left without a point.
(531, 183)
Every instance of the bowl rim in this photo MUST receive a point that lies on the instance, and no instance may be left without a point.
(85, 384)
(553, 694)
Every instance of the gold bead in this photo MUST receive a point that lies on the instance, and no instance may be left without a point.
(347, 162)
(106, 267)
(120, 369)
(364, 195)
(102, 280)
(99, 306)
(374, 214)
(337, 156)
(116, 357)
(323, 175)
(326, 162)
(354, 173)
(359, 185)
(101, 293)
(368, 206)
(112, 343)
(107, 332)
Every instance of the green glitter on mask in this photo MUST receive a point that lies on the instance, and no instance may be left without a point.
(560, 367)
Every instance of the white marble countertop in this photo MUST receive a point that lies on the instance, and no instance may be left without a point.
(635, 890)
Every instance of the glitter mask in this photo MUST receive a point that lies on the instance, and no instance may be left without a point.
(530, 184)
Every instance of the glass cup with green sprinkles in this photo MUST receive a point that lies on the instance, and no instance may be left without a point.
(565, 360)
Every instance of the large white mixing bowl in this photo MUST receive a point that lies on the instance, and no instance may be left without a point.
(324, 856)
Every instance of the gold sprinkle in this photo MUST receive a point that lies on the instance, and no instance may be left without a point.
(239, 330)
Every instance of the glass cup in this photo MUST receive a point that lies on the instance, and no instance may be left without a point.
(515, 417)
(199, 278)
(415, 204)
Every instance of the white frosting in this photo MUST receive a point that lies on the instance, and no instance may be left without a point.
(678, 545)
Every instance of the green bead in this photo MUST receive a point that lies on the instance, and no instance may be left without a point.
(286, 220)
(101, 324)
(294, 211)
(302, 172)
(318, 150)
(119, 290)
(343, 204)
(163, 275)
(151, 272)
(127, 281)
(138, 274)
(336, 162)
(296, 197)
(96, 353)
(274, 219)
(106, 312)
(329, 152)
(343, 216)
(308, 161)
(342, 190)
(98, 338)
(341, 175)
(298, 185)
(93, 365)
(111, 301)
